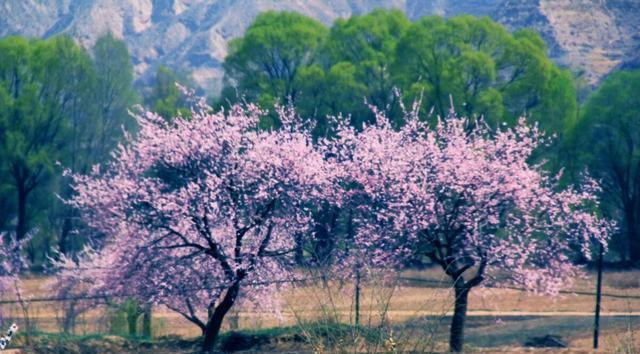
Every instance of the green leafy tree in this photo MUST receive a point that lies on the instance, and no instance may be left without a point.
(7, 199)
(57, 104)
(166, 98)
(96, 119)
(329, 93)
(487, 70)
(608, 139)
(263, 65)
(368, 42)
(40, 81)
(114, 93)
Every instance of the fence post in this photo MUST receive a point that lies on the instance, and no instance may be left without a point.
(357, 297)
(596, 324)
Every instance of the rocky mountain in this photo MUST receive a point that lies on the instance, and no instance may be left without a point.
(591, 35)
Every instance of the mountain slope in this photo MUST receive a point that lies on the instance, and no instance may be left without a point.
(594, 35)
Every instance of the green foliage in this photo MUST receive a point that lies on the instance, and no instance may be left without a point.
(113, 92)
(57, 104)
(606, 139)
(166, 98)
(368, 42)
(41, 81)
(487, 70)
(263, 66)
(288, 58)
(125, 319)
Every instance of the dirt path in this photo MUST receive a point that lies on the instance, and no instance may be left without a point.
(418, 313)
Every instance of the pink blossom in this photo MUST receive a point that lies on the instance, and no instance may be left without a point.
(465, 197)
(193, 210)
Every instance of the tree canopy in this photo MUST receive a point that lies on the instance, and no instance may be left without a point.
(58, 104)
(263, 64)
(196, 209)
(166, 99)
(486, 69)
(606, 140)
(468, 200)
(42, 86)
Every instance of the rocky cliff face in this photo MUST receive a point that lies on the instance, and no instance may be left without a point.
(593, 35)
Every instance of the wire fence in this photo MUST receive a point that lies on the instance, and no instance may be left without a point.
(566, 292)
(103, 313)
(426, 316)
(435, 283)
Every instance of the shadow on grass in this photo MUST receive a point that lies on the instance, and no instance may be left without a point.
(491, 331)
(482, 332)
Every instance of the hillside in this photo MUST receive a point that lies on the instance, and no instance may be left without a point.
(594, 35)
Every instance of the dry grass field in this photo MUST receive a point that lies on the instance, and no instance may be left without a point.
(499, 319)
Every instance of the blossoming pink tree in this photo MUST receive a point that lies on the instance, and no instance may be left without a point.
(467, 199)
(74, 281)
(12, 262)
(195, 210)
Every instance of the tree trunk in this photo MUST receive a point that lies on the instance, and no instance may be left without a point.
(456, 339)
(596, 323)
(21, 227)
(299, 253)
(64, 233)
(632, 232)
(215, 319)
(634, 245)
(146, 322)
(132, 322)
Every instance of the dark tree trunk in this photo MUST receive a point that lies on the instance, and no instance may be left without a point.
(324, 244)
(299, 253)
(634, 245)
(596, 324)
(132, 321)
(146, 322)
(215, 319)
(632, 231)
(21, 227)
(456, 339)
(64, 235)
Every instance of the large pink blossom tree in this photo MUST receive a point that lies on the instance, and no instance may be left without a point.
(468, 199)
(196, 210)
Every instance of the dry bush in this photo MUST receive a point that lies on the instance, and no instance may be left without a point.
(622, 279)
(325, 313)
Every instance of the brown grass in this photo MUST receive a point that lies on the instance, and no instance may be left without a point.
(407, 302)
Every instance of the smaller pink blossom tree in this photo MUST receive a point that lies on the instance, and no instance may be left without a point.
(12, 262)
(468, 199)
(75, 281)
(195, 210)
